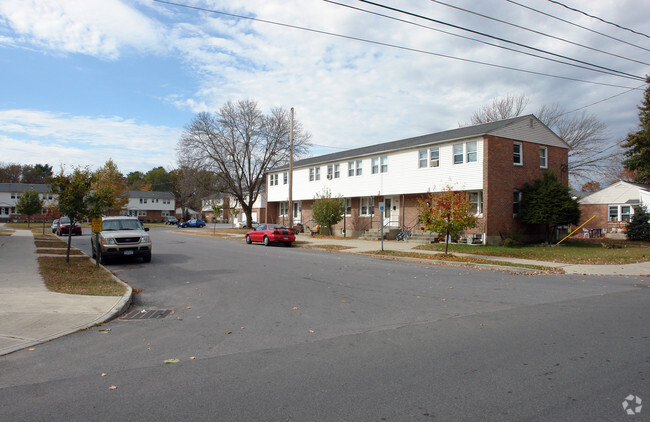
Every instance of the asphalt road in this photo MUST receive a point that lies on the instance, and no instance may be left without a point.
(282, 333)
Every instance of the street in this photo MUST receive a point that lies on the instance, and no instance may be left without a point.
(276, 333)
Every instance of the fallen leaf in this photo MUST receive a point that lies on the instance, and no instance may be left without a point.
(193, 357)
(228, 332)
(188, 307)
(312, 331)
(103, 374)
(179, 318)
(295, 308)
(104, 330)
(199, 316)
(172, 361)
(31, 349)
(113, 387)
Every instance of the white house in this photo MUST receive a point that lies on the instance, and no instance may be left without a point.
(490, 162)
(10, 193)
(613, 206)
(150, 205)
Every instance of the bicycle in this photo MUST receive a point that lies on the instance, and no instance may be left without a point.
(404, 234)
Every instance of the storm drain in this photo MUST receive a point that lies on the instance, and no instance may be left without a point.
(144, 314)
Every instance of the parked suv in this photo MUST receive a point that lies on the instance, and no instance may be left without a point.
(170, 219)
(121, 236)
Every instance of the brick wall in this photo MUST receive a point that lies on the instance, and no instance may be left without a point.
(502, 178)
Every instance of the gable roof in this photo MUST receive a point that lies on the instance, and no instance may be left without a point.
(22, 187)
(150, 194)
(496, 128)
(618, 193)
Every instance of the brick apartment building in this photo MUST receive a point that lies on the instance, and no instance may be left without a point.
(490, 162)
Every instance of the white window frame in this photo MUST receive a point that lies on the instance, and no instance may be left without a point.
(518, 156)
(337, 171)
(330, 171)
(285, 177)
(311, 174)
(284, 209)
(383, 164)
(350, 168)
(459, 156)
(374, 165)
(359, 164)
(543, 157)
(317, 177)
(471, 156)
(434, 157)
(366, 206)
(423, 158)
(347, 207)
(476, 203)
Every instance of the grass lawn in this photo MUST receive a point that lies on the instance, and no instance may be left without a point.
(568, 252)
(5, 232)
(58, 251)
(465, 260)
(79, 277)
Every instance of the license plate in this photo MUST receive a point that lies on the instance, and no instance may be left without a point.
(286, 238)
(128, 252)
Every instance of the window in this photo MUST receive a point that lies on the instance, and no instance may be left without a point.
(142, 213)
(311, 174)
(543, 157)
(337, 171)
(317, 173)
(367, 206)
(13, 195)
(625, 213)
(375, 165)
(140, 200)
(613, 213)
(273, 179)
(422, 158)
(516, 200)
(359, 162)
(517, 157)
(350, 168)
(472, 153)
(458, 153)
(434, 157)
(476, 200)
(384, 163)
(330, 171)
(284, 209)
(347, 206)
(285, 178)
(145, 200)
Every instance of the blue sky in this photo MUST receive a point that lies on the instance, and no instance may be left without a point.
(85, 81)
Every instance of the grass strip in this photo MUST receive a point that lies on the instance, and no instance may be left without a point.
(465, 260)
(78, 277)
(51, 251)
(6, 232)
(50, 243)
(575, 252)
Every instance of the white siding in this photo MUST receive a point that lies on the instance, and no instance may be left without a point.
(644, 197)
(151, 205)
(618, 193)
(537, 133)
(403, 176)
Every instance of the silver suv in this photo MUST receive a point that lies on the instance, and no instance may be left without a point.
(121, 236)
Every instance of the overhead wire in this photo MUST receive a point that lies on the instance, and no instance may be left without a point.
(536, 32)
(415, 50)
(600, 19)
(575, 24)
(469, 38)
(622, 74)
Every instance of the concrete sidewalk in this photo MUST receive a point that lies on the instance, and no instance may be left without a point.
(31, 314)
(355, 245)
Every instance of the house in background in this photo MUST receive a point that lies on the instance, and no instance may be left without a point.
(490, 162)
(613, 206)
(150, 206)
(10, 193)
(220, 200)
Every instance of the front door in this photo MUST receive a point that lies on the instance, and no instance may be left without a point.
(391, 211)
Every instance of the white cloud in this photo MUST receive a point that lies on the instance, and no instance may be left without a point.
(31, 136)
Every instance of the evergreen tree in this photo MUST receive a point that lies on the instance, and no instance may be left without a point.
(548, 201)
(639, 227)
(637, 144)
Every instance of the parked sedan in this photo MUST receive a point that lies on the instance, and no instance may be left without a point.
(63, 227)
(192, 223)
(271, 233)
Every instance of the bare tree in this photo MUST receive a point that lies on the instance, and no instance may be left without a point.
(240, 144)
(591, 153)
(500, 109)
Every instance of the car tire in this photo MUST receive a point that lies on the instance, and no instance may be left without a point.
(248, 239)
(267, 242)
(146, 258)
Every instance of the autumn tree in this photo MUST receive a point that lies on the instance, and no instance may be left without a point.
(447, 212)
(29, 204)
(590, 186)
(590, 151)
(240, 144)
(326, 210)
(109, 182)
(637, 144)
(548, 202)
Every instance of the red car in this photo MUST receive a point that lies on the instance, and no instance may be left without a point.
(63, 227)
(271, 233)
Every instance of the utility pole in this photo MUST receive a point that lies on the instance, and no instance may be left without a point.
(290, 210)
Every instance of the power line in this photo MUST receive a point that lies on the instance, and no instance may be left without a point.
(469, 38)
(537, 32)
(414, 50)
(600, 19)
(575, 24)
(622, 74)
(603, 100)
